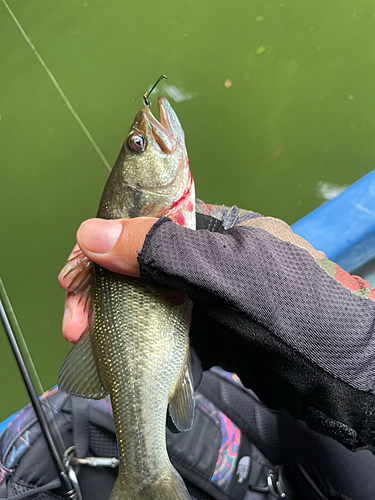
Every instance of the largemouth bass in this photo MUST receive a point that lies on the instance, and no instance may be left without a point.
(136, 347)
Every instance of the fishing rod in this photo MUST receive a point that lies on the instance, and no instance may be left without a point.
(67, 476)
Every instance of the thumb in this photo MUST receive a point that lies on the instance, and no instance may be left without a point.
(114, 244)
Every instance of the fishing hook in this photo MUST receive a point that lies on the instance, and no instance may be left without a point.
(146, 94)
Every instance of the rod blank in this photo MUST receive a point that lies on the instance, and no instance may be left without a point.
(56, 456)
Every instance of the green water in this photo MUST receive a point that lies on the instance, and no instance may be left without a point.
(294, 123)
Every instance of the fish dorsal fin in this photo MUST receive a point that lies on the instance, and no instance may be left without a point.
(181, 404)
(79, 374)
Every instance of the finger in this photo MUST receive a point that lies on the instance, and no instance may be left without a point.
(75, 318)
(75, 270)
(114, 244)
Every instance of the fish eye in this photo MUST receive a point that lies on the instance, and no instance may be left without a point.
(137, 143)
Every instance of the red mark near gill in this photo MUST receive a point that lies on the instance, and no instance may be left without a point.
(178, 218)
(185, 195)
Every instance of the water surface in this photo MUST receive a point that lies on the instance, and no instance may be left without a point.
(276, 98)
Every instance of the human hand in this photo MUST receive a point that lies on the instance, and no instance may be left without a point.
(111, 244)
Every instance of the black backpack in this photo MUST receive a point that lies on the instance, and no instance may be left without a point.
(229, 454)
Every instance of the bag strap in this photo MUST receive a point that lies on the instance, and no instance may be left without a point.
(40, 489)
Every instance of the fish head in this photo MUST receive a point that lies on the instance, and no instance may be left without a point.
(151, 174)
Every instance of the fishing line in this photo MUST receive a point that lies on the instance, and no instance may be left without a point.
(20, 338)
(6, 302)
(146, 94)
(57, 86)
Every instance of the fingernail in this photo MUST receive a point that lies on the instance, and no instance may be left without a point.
(66, 318)
(98, 235)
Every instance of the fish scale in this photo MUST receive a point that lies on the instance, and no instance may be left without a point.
(136, 346)
(116, 338)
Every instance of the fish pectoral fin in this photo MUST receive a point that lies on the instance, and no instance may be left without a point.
(181, 404)
(79, 268)
(79, 375)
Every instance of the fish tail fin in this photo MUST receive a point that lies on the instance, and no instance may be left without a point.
(171, 487)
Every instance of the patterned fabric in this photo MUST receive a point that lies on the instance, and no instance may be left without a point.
(230, 216)
(283, 232)
(22, 430)
(215, 454)
(230, 444)
(268, 302)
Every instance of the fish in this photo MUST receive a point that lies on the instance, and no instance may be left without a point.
(136, 345)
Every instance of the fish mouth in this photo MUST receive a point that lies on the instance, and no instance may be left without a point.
(168, 137)
(167, 133)
(169, 120)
